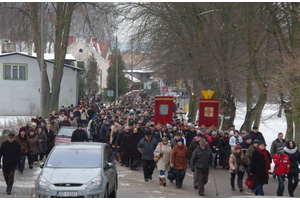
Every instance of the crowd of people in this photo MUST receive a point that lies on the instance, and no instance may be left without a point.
(129, 128)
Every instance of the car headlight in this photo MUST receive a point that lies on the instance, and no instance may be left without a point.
(43, 182)
(95, 182)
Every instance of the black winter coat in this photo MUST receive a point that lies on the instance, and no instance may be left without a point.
(122, 140)
(189, 137)
(50, 140)
(79, 136)
(130, 150)
(215, 143)
(294, 156)
(11, 154)
(258, 136)
(225, 148)
(258, 167)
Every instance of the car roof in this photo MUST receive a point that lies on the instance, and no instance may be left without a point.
(82, 145)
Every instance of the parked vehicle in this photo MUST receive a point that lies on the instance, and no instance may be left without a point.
(64, 134)
(78, 169)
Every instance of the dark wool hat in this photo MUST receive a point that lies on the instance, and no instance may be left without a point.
(238, 146)
(247, 137)
(31, 130)
(79, 125)
(256, 141)
(261, 142)
(22, 129)
(255, 127)
(11, 135)
(181, 140)
(279, 148)
(148, 133)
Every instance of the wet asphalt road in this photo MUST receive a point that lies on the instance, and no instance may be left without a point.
(132, 185)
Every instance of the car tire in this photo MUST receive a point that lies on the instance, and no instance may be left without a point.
(113, 194)
(106, 192)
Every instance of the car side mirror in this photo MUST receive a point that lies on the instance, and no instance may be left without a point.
(110, 165)
(41, 165)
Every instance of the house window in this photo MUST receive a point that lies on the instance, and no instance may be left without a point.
(15, 71)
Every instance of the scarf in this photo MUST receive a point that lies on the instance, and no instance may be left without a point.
(238, 159)
(267, 161)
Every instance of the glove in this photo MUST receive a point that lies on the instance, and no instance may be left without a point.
(161, 155)
(234, 171)
(193, 169)
(171, 165)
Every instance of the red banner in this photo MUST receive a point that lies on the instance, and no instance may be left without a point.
(163, 109)
(208, 112)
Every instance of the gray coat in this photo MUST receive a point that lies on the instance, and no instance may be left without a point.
(147, 148)
(202, 159)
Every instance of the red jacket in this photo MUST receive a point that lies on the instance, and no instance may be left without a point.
(281, 163)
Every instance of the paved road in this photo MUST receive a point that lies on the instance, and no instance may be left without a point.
(132, 185)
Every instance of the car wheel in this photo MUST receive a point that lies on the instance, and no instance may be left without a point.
(106, 192)
(113, 194)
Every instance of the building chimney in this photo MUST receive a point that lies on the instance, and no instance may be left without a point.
(93, 40)
(71, 40)
(29, 47)
(6, 46)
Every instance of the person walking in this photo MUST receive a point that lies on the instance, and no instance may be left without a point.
(10, 152)
(121, 145)
(146, 147)
(291, 150)
(34, 142)
(26, 148)
(50, 139)
(163, 150)
(42, 138)
(282, 167)
(236, 167)
(79, 135)
(201, 160)
(260, 166)
(179, 161)
(255, 134)
(225, 150)
(278, 142)
(131, 151)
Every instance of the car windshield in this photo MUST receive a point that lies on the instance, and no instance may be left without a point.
(74, 158)
(66, 132)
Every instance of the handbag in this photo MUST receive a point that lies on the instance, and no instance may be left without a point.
(249, 182)
(171, 174)
(156, 158)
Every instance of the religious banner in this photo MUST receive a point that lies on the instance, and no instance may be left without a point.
(163, 109)
(208, 112)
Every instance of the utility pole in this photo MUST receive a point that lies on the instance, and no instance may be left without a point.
(42, 85)
(117, 57)
(100, 81)
(131, 68)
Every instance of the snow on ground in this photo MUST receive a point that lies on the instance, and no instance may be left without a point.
(270, 124)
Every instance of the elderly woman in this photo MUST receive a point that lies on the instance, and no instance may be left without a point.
(178, 161)
(163, 150)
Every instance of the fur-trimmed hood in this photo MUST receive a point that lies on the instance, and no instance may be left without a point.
(288, 149)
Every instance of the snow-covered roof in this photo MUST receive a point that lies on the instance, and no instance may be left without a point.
(50, 56)
(135, 80)
(139, 71)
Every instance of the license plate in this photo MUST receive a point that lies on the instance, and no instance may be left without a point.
(67, 194)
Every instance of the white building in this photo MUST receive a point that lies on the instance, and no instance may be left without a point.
(82, 50)
(20, 84)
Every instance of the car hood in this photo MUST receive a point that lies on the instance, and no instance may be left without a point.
(60, 175)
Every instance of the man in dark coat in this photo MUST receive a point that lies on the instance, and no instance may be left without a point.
(121, 144)
(79, 135)
(255, 134)
(104, 129)
(146, 146)
(50, 139)
(225, 150)
(10, 153)
(131, 151)
(260, 166)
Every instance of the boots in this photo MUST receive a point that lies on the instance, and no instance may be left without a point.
(164, 181)
(160, 180)
(240, 184)
(119, 157)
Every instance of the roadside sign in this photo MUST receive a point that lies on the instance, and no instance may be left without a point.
(164, 90)
(207, 94)
(132, 87)
(110, 93)
(184, 95)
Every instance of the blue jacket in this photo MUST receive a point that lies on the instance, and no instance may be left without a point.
(159, 135)
(147, 148)
(103, 132)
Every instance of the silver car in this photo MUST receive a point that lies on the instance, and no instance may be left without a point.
(78, 169)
